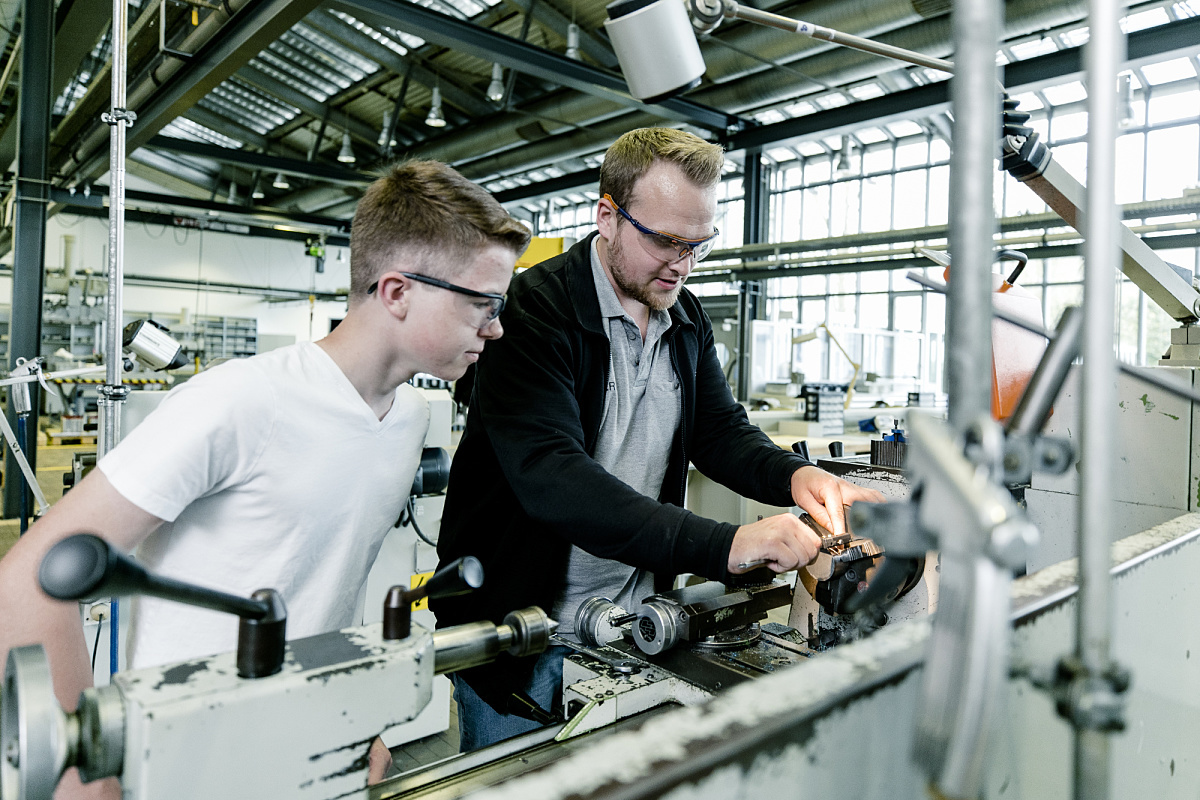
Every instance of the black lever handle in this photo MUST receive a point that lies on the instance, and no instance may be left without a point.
(458, 577)
(84, 565)
(837, 449)
(800, 448)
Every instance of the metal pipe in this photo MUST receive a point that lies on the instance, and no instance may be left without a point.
(113, 392)
(837, 37)
(974, 93)
(1105, 50)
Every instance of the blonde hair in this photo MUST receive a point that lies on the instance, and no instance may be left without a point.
(428, 212)
(629, 158)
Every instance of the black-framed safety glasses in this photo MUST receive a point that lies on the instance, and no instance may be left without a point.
(488, 311)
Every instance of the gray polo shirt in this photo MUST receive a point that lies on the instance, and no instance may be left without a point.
(642, 409)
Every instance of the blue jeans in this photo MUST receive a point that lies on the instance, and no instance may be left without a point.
(479, 725)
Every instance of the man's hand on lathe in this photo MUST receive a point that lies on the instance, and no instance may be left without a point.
(781, 542)
(825, 497)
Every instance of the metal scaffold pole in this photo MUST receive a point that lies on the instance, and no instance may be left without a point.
(114, 391)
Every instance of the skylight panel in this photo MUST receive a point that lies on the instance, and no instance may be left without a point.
(905, 127)
(781, 154)
(1145, 19)
(1176, 69)
(1075, 38)
(870, 135)
(1072, 92)
(810, 149)
(305, 84)
(867, 91)
(835, 100)
(1032, 49)
(799, 109)
(1187, 9)
(770, 116)
(358, 62)
(183, 128)
(1028, 101)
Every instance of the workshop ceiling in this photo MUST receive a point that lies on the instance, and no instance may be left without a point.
(262, 104)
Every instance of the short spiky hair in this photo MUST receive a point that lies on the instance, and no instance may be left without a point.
(431, 214)
(632, 155)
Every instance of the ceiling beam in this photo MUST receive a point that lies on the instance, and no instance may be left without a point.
(312, 170)
(172, 175)
(551, 187)
(555, 68)
(154, 202)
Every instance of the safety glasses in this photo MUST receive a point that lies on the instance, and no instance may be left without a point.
(666, 246)
(487, 307)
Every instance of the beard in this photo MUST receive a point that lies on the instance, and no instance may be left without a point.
(643, 293)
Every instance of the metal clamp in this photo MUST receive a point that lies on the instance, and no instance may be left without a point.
(1087, 701)
(113, 393)
(122, 116)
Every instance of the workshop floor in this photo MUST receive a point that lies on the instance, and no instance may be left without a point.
(53, 461)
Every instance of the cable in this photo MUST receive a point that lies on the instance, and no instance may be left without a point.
(96, 646)
(408, 516)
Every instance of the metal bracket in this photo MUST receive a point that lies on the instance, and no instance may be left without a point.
(1087, 701)
(122, 116)
(1024, 455)
(114, 394)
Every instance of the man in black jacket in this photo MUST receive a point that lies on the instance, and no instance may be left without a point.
(569, 481)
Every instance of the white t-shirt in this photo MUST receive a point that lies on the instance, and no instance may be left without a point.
(271, 472)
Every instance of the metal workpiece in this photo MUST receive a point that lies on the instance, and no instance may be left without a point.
(525, 632)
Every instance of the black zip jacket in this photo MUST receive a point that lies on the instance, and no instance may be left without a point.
(524, 486)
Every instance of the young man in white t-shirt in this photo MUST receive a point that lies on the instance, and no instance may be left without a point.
(287, 469)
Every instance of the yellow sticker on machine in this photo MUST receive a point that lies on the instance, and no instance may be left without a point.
(419, 580)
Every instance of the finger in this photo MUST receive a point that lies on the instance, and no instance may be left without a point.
(835, 508)
(811, 544)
